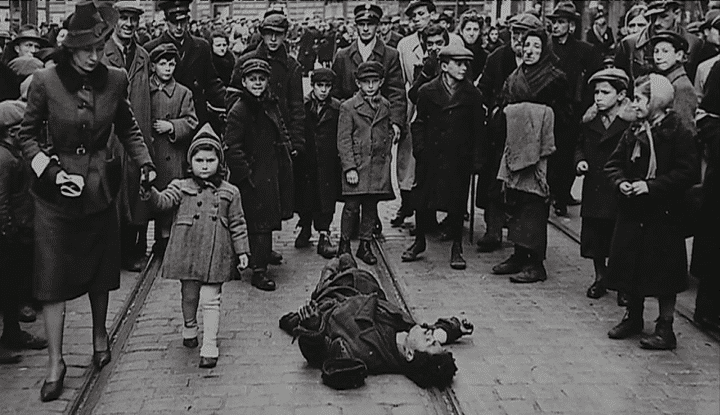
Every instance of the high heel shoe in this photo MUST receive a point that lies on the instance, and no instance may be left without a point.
(52, 390)
(102, 358)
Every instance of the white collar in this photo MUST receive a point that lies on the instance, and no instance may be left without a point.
(366, 50)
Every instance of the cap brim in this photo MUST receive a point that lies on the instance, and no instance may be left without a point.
(274, 29)
(42, 41)
(652, 12)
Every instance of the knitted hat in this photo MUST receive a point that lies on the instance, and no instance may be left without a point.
(11, 113)
(662, 92)
(206, 136)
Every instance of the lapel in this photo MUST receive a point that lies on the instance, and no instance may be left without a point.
(363, 108)
(168, 89)
(437, 93)
(113, 57)
(327, 114)
(676, 73)
(417, 49)
(190, 55)
(139, 61)
(618, 126)
(355, 54)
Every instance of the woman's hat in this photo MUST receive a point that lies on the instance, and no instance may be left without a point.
(255, 65)
(89, 25)
(28, 32)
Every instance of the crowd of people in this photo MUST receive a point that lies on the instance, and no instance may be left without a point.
(109, 122)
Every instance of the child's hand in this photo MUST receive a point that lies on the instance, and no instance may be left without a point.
(582, 167)
(626, 188)
(242, 261)
(162, 126)
(639, 188)
(352, 176)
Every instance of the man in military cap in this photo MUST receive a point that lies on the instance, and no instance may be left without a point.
(500, 64)
(387, 34)
(122, 51)
(194, 69)
(635, 54)
(447, 134)
(578, 59)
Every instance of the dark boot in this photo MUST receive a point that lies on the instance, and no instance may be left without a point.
(325, 247)
(456, 259)
(275, 258)
(533, 272)
(399, 218)
(344, 247)
(663, 338)
(631, 324)
(512, 265)
(622, 299)
(261, 281)
(364, 252)
(417, 247)
(303, 238)
(488, 244)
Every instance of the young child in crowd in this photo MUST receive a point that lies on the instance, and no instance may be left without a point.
(317, 170)
(174, 122)
(364, 141)
(653, 166)
(208, 238)
(601, 130)
(670, 50)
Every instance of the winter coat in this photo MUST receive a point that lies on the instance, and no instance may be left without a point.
(224, 66)
(604, 43)
(132, 209)
(317, 170)
(447, 133)
(172, 102)
(326, 47)
(579, 60)
(685, 102)
(364, 142)
(285, 84)
(595, 144)
(9, 87)
(16, 204)
(82, 114)
(196, 71)
(392, 38)
(208, 231)
(346, 63)
(258, 156)
(647, 253)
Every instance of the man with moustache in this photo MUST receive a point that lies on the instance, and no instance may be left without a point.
(122, 51)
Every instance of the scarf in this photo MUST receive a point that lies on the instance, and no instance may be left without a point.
(652, 163)
(527, 81)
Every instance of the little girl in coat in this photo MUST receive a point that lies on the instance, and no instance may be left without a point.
(208, 239)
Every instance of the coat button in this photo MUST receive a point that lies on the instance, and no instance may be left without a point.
(199, 203)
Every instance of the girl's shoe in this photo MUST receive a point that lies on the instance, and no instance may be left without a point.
(596, 290)
(663, 338)
(191, 343)
(208, 362)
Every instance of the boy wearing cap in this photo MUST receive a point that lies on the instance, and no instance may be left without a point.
(364, 141)
(173, 124)
(669, 49)
(601, 131)
(259, 159)
(446, 135)
(317, 170)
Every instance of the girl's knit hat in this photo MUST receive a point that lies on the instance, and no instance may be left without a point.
(206, 135)
(662, 92)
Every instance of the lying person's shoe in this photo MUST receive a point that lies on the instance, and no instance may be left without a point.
(208, 362)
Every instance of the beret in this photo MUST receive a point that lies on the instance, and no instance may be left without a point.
(164, 50)
(370, 69)
(129, 6)
(660, 6)
(11, 112)
(255, 65)
(322, 75)
(417, 3)
(672, 37)
(368, 11)
(277, 22)
(456, 52)
(525, 21)
(610, 74)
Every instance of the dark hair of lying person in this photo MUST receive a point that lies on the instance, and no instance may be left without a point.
(428, 370)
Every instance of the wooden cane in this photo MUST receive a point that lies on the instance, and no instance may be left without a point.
(472, 208)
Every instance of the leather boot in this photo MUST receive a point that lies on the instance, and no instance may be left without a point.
(456, 259)
(275, 258)
(512, 265)
(303, 238)
(488, 244)
(325, 247)
(364, 252)
(631, 324)
(533, 272)
(344, 247)
(261, 281)
(417, 247)
(663, 338)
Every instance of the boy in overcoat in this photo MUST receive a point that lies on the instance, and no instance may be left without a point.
(174, 122)
(364, 142)
(317, 170)
(447, 133)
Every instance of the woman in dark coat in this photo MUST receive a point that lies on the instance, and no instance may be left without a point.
(653, 166)
(259, 159)
(469, 29)
(76, 230)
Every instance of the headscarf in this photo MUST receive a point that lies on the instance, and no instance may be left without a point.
(528, 80)
(661, 98)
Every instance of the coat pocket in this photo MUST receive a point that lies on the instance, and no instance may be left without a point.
(184, 220)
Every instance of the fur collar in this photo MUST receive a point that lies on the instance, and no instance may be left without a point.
(626, 112)
(73, 81)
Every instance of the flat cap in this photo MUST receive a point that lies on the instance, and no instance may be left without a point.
(395, 19)
(418, 3)
(565, 9)
(610, 74)
(276, 22)
(661, 6)
(368, 11)
(525, 21)
(322, 75)
(456, 52)
(370, 69)
(672, 37)
(174, 6)
(11, 112)
(164, 50)
(129, 7)
(710, 16)
(254, 65)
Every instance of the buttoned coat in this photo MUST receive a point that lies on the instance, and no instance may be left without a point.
(132, 209)
(685, 102)
(647, 253)
(392, 38)
(285, 84)
(447, 134)
(317, 170)
(346, 63)
(364, 142)
(208, 231)
(258, 156)
(196, 71)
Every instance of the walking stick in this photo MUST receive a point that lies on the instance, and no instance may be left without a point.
(472, 208)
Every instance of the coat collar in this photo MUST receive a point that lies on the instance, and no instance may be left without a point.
(618, 126)
(363, 108)
(439, 95)
(113, 57)
(168, 89)
(280, 55)
(73, 81)
(676, 73)
(378, 52)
